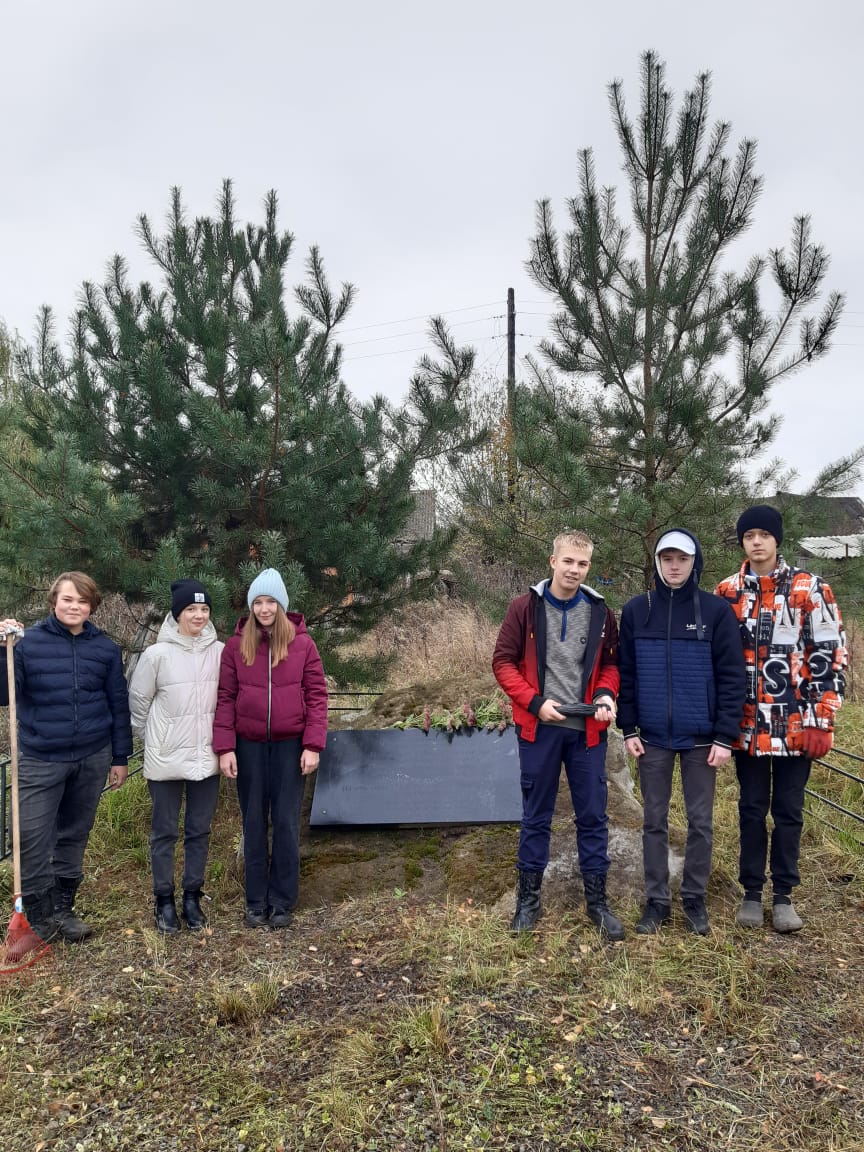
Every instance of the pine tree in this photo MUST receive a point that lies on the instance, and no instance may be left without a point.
(195, 426)
(670, 356)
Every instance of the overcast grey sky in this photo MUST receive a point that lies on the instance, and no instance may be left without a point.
(411, 143)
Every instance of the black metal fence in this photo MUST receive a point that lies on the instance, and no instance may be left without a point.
(856, 818)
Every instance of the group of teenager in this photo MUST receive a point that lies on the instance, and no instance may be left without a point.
(254, 709)
(754, 671)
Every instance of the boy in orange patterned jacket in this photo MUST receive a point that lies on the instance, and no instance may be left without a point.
(795, 651)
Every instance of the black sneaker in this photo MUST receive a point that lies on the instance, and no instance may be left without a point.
(653, 917)
(696, 916)
(256, 918)
(281, 918)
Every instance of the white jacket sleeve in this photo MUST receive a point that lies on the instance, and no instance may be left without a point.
(141, 692)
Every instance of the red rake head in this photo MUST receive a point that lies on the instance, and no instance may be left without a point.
(22, 946)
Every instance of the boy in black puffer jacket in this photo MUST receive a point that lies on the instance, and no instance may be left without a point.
(682, 694)
(74, 734)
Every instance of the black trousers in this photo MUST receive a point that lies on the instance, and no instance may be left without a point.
(270, 788)
(775, 784)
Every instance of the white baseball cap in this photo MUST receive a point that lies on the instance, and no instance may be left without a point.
(678, 540)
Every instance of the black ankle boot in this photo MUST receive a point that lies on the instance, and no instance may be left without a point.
(528, 909)
(166, 914)
(192, 913)
(39, 911)
(598, 910)
(72, 927)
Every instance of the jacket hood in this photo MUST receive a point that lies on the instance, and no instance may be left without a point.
(661, 585)
(296, 619)
(170, 633)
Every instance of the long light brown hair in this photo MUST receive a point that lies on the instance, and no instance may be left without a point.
(281, 635)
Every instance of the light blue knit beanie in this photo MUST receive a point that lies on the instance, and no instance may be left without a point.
(268, 583)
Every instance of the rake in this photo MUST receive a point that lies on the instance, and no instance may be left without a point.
(22, 947)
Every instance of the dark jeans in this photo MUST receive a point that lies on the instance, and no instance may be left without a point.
(540, 771)
(774, 783)
(167, 796)
(270, 787)
(57, 801)
(698, 780)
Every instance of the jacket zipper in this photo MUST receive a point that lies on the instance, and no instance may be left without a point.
(75, 685)
(269, 689)
(669, 665)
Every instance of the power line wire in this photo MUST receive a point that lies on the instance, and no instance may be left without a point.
(423, 316)
(420, 331)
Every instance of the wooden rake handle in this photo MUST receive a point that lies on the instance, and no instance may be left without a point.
(10, 638)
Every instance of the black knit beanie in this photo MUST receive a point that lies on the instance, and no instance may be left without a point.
(186, 592)
(760, 516)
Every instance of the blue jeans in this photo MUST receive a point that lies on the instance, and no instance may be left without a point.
(57, 802)
(540, 771)
(167, 796)
(270, 787)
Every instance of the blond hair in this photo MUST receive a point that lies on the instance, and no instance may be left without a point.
(281, 635)
(572, 538)
(84, 585)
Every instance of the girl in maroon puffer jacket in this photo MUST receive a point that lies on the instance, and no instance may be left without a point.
(270, 726)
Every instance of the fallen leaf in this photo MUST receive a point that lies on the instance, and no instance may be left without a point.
(357, 961)
(128, 968)
(312, 948)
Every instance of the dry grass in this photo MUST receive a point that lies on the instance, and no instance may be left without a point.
(430, 640)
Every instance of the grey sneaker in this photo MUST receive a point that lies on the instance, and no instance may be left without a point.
(749, 914)
(785, 918)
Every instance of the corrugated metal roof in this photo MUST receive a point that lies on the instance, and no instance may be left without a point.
(833, 547)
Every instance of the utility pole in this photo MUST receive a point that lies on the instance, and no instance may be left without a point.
(511, 396)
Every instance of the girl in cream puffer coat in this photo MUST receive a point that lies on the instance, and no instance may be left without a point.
(173, 700)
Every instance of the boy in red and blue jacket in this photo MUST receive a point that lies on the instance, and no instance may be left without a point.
(557, 647)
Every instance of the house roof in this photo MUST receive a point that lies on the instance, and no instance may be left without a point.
(833, 547)
(834, 514)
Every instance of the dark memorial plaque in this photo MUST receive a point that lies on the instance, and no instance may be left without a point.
(394, 776)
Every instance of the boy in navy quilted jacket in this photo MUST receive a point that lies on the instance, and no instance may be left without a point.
(682, 694)
(74, 734)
